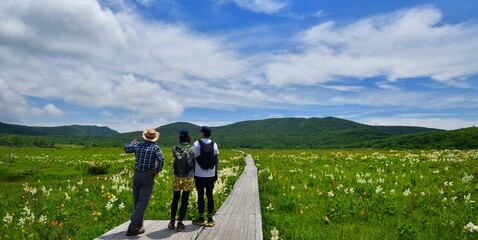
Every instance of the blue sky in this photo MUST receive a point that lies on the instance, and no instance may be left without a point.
(131, 65)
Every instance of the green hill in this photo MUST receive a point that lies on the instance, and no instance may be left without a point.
(275, 133)
(296, 133)
(465, 138)
(61, 130)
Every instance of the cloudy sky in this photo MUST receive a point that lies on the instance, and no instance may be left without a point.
(135, 64)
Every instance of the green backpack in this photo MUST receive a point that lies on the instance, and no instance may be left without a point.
(183, 160)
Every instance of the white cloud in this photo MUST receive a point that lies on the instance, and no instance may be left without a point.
(89, 56)
(49, 109)
(60, 28)
(265, 6)
(12, 104)
(404, 44)
(14, 107)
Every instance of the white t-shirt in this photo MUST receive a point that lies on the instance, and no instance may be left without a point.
(204, 172)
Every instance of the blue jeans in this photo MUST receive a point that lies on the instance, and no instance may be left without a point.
(143, 183)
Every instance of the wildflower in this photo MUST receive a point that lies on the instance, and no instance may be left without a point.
(467, 198)
(21, 222)
(8, 218)
(271, 177)
(292, 187)
(26, 211)
(46, 191)
(450, 184)
(121, 206)
(42, 219)
(471, 227)
(378, 189)
(113, 198)
(467, 178)
(326, 219)
(423, 194)
(80, 182)
(407, 192)
(108, 206)
(305, 186)
(351, 190)
(270, 207)
(67, 197)
(274, 234)
(96, 214)
(331, 193)
(72, 188)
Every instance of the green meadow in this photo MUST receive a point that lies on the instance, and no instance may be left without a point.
(368, 194)
(81, 193)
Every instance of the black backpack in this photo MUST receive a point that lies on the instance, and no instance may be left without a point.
(206, 159)
(183, 161)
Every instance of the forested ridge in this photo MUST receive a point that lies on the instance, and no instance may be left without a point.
(274, 133)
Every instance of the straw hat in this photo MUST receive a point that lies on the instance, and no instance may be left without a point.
(151, 135)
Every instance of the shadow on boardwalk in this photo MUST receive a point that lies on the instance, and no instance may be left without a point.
(239, 217)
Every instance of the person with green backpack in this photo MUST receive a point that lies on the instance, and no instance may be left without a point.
(184, 163)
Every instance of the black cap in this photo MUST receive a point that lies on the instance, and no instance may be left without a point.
(184, 132)
(206, 130)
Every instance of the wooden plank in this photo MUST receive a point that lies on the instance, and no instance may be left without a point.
(155, 230)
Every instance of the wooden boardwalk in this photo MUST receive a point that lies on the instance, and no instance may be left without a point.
(239, 217)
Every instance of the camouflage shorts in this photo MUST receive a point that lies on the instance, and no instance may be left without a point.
(183, 184)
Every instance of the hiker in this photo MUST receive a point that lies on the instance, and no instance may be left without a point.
(205, 175)
(184, 159)
(149, 162)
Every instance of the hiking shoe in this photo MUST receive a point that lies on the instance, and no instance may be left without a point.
(171, 224)
(180, 227)
(135, 231)
(210, 223)
(199, 222)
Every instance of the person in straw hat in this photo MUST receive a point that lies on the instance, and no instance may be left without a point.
(149, 162)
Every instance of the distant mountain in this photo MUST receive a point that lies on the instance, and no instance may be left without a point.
(275, 133)
(328, 132)
(465, 138)
(61, 130)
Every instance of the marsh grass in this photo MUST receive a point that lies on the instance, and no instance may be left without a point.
(368, 194)
(51, 193)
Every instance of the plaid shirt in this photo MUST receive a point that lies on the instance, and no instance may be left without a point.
(148, 156)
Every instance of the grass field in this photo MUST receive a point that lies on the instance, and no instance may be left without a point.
(81, 193)
(368, 194)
